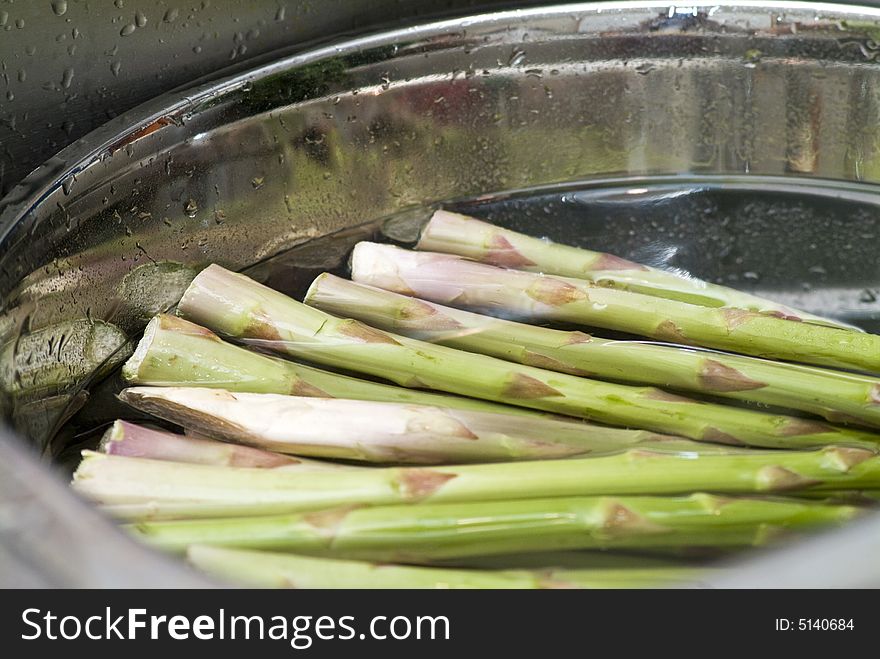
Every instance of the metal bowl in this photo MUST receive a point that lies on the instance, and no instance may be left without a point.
(738, 141)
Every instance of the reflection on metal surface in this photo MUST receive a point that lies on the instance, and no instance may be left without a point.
(634, 106)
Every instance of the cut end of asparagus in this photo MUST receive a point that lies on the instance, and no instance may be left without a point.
(442, 224)
(114, 433)
(369, 258)
(321, 280)
(132, 368)
(152, 401)
(191, 296)
(135, 441)
(377, 264)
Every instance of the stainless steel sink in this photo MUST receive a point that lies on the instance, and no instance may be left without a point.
(737, 141)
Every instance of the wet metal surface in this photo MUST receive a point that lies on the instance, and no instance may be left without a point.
(657, 132)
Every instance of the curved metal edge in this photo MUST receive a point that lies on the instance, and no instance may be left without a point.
(50, 538)
(65, 523)
(822, 562)
(39, 183)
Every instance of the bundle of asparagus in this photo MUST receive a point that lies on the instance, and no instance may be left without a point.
(236, 306)
(456, 281)
(134, 441)
(665, 473)
(835, 395)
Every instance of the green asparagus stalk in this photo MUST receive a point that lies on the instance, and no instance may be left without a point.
(452, 233)
(234, 305)
(131, 440)
(385, 432)
(175, 352)
(275, 570)
(588, 560)
(459, 282)
(444, 531)
(835, 395)
(849, 497)
(137, 488)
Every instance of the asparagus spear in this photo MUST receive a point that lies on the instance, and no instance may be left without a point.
(452, 233)
(462, 283)
(836, 395)
(385, 432)
(592, 560)
(131, 440)
(275, 570)
(236, 306)
(443, 531)
(175, 352)
(138, 488)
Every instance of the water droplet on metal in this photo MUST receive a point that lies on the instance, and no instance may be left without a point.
(126, 30)
(171, 15)
(279, 15)
(516, 57)
(114, 68)
(59, 7)
(19, 23)
(67, 78)
(751, 58)
(139, 19)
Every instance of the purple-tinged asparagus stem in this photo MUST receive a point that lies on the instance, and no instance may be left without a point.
(516, 294)
(134, 441)
(453, 233)
(388, 432)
